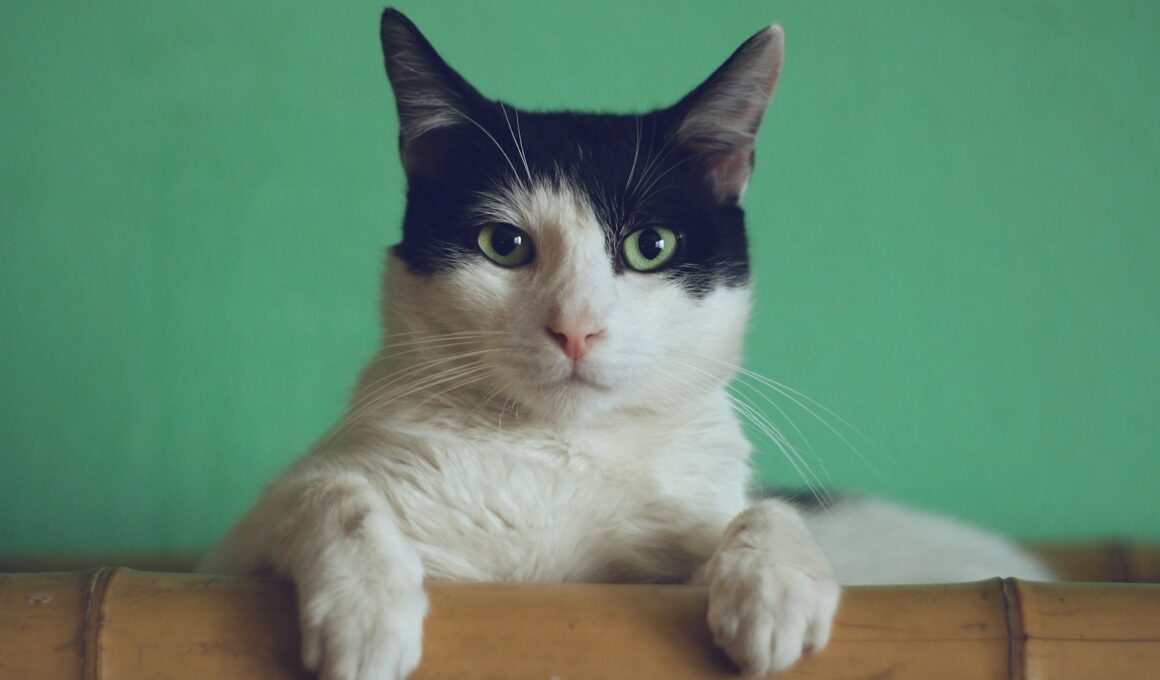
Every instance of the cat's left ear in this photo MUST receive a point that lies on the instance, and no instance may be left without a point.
(718, 121)
(430, 95)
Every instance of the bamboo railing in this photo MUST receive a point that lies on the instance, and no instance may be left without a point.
(110, 623)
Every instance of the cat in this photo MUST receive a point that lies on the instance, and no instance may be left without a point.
(562, 316)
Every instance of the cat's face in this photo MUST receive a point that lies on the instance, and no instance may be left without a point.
(573, 263)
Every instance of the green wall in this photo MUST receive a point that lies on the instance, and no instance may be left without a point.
(954, 220)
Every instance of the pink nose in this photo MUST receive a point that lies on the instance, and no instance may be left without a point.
(574, 339)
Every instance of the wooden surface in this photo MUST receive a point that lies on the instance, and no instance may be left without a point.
(1084, 631)
(120, 623)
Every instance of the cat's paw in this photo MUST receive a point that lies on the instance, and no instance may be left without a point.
(768, 607)
(362, 629)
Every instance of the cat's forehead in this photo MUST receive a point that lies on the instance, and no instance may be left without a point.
(534, 202)
(603, 162)
(581, 137)
(585, 155)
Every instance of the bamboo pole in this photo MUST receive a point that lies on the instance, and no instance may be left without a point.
(119, 623)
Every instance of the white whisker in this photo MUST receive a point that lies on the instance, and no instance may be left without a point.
(804, 402)
(647, 191)
(791, 455)
(467, 377)
(635, 155)
(745, 407)
(654, 161)
(515, 173)
(519, 146)
(379, 393)
(740, 380)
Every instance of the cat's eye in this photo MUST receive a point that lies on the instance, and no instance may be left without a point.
(504, 244)
(649, 249)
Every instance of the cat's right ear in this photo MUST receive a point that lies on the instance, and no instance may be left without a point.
(429, 94)
(719, 119)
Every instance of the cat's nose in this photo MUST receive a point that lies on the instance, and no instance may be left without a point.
(575, 339)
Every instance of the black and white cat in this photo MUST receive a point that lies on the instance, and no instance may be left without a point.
(562, 316)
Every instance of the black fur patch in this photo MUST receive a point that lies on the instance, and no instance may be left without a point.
(593, 153)
(630, 167)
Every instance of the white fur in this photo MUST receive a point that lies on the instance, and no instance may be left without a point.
(871, 541)
(771, 592)
(475, 450)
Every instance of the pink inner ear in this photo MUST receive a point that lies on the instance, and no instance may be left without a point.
(722, 115)
(728, 174)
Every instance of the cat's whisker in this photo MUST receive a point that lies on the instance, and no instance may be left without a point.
(788, 448)
(518, 141)
(652, 157)
(342, 362)
(753, 414)
(681, 389)
(378, 394)
(429, 335)
(789, 391)
(491, 395)
(432, 344)
(655, 162)
(792, 456)
(790, 395)
(467, 377)
(803, 402)
(434, 339)
(417, 348)
(503, 409)
(419, 338)
(515, 173)
(647, 191)
(769, 431)
(635, 156)
(404, 374)
(515, 408)
(741, 380)
(456, 373)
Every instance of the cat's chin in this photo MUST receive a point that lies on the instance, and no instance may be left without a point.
(571, 398)
(574, 391)
(575, 383)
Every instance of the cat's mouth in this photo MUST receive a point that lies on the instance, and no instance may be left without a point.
(576, 380)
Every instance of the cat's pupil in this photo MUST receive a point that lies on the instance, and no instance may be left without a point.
(505, 239)
(651, 244)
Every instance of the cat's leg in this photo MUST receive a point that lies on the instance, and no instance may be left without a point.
(359, 579)
(771, 593)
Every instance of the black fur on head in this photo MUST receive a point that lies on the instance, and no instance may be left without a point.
(684, 167)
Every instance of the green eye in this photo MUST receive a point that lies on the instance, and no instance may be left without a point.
(504, 244)
(649, 249)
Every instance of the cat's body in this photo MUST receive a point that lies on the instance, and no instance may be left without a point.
(549, 404)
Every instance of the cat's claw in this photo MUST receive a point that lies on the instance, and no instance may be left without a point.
(769, 603)
(362, 631)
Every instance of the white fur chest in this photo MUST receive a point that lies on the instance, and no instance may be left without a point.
(643, 498)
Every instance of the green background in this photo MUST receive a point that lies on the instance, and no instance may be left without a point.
(954, 221)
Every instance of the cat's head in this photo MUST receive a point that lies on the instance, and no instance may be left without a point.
(573, 263)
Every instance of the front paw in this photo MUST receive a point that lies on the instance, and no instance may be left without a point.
(359, 629)
(766, 612)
